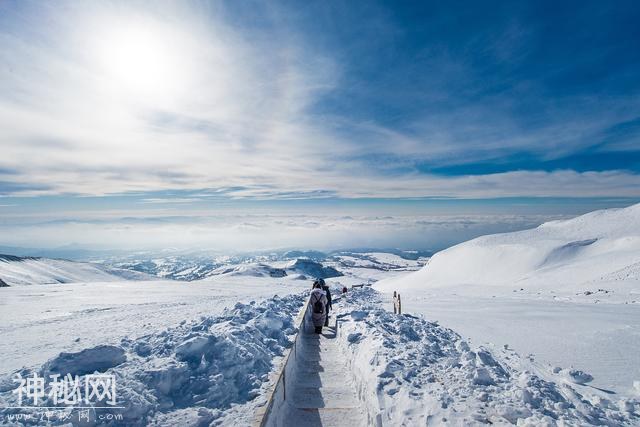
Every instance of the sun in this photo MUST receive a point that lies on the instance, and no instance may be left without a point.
(138, 60)
(142, 60)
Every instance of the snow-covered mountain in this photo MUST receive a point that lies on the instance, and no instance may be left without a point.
(191, 267)
(301, 268)
(377, 260)
(310, 268)
(175, 267)
(198, 266)
(16, 271)
(251, 269)
(596, 251)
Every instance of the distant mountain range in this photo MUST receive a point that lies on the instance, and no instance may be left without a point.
(24, 270)
(309, 264)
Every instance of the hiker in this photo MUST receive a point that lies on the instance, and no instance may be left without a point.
(327, 293)
(318, 302)
(344, 289)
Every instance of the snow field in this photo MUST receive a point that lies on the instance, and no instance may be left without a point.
(190, 374)
(411, 371)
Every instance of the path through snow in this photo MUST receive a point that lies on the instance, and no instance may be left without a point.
(324, 393)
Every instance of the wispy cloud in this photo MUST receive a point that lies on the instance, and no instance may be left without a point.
(258, 104)
(237, 118)
(177, 200)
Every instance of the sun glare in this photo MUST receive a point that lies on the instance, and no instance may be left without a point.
(143, 61)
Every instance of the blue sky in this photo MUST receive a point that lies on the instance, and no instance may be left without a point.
(139, 108)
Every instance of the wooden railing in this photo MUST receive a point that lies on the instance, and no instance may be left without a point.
(278, 391)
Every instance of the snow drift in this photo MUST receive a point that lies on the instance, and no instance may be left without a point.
(196, 373)
(602, 246)
(410, 371)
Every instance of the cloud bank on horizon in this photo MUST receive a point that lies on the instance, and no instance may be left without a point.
(330, 99)
(249, 232)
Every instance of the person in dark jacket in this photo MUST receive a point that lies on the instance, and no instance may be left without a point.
(327, 292)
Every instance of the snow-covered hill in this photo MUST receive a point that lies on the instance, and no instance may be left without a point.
(16, 271)
(310, 268)
(599, 250)
(301, 268)
(251, 270)
(566, 292)
(379, 260)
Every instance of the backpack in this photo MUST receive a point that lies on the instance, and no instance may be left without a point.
(318, 306)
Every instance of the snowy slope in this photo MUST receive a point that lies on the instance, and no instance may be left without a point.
(583, 254)
(16, 271)
(567, 293)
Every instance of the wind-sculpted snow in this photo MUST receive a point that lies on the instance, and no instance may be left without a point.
(190, 374)
(414, 372)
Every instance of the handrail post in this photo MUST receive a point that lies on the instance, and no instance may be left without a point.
(397, 303)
